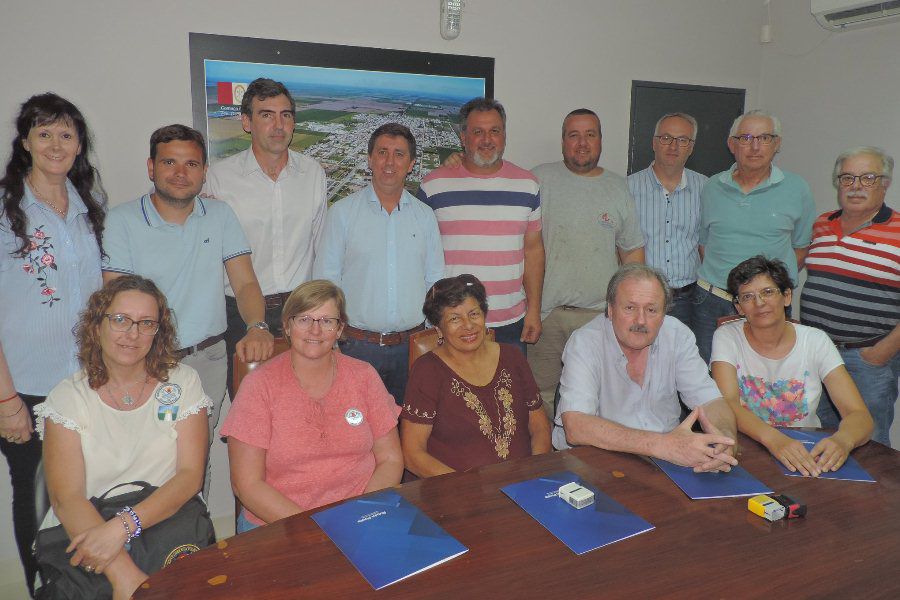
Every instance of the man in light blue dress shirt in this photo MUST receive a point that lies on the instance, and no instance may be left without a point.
(668, 205)
(382, 246)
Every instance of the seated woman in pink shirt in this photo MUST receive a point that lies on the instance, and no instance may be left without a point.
(311, 426)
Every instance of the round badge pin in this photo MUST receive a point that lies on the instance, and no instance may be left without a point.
(354, 417)
(168, 393)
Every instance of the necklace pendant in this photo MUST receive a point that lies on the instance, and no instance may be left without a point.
(127, 400)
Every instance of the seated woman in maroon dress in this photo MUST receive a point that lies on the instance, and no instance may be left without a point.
(471, 401)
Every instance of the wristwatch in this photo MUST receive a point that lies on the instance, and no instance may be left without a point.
(259, 325)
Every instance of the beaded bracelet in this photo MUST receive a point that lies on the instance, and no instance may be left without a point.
(121, 515)
(135, 518)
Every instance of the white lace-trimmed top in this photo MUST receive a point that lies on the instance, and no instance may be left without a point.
(123, 446)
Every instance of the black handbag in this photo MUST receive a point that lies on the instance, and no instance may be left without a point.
(184, 533)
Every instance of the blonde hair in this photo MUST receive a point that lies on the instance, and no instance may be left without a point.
(310, 295)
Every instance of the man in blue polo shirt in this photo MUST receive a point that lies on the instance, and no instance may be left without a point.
(752, 208)
(382, 246)
(181, 242)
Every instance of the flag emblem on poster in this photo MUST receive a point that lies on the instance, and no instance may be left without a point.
(231, 93)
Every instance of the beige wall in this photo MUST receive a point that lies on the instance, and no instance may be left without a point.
(125, 64)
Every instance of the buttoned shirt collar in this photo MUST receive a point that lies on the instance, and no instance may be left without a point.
(251, 164)
(683, 184)
(76, 204)
(375, 202)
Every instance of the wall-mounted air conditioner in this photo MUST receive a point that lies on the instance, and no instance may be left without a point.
(844, 14)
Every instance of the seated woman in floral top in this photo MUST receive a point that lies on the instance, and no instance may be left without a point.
(471, 401)
(771, 372)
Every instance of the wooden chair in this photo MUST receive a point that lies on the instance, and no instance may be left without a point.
(240, 368)
(239, 371)
(423, 342)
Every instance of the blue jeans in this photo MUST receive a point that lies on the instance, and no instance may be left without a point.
(878, 388)
(243, 524)
(682, 307)
(707, 309)
(391, 362)
(511, 334)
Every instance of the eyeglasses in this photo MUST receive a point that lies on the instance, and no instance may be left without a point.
(866, 179)
(122, 323)
(305, 322)
(764, 294)
(666, 140)
(764, 139)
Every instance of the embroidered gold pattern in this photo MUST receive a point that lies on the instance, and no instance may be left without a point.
(422, 415)
(502, 434)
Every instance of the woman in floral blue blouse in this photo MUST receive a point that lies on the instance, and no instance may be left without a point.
(51, 225)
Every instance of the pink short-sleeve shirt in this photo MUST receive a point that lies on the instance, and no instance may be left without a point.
(317, 451)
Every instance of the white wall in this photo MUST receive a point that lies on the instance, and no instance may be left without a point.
(831, 91)
(125, 64)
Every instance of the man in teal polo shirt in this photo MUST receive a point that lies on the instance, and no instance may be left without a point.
(181, 242)
(752, 208)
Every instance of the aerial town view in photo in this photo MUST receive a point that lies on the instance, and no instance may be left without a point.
(337, 110)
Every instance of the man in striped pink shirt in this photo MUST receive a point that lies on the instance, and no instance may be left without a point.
(489, 214)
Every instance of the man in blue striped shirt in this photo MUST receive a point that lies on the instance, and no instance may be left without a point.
(668, 205)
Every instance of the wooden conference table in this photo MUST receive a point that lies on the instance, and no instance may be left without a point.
(848, 545)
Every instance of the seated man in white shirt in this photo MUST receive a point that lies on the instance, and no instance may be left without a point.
(623, 372)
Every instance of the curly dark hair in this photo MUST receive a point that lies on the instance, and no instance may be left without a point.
(759, 265)
(450, 292)
(161, 357)
(44, 109)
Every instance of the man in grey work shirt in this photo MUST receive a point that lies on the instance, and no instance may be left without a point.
(622, 376)
(590, 226)
(668, 205)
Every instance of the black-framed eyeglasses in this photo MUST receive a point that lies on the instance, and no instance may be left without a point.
(866, 179)
(304, 322)
(122, 323)
(764, 294)
(666, 140)
(764, 139)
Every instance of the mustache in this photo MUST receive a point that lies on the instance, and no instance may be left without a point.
(638, 329)
(857, 194)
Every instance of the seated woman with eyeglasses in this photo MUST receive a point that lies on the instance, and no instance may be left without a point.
(771, 372)
(471, 401)
(311, 426)
(131, 414)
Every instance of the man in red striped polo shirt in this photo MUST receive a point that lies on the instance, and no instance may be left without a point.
(489, 214)
(852, 291)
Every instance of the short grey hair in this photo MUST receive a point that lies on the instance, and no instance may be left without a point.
(638, 271)
(776, 123)
(680, 115)
(480, 105)
(887, 161)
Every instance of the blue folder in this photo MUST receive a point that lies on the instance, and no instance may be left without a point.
(703, 486)
(386, 537)
(849, 471)
(581, 529)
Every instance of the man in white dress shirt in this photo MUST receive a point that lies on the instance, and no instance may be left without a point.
(278, 196)
(623, 373)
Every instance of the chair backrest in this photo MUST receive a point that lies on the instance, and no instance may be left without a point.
(240, 368)
(423, 342)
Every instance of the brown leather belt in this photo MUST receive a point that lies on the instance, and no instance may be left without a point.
(382, 339)
(860, 344)
(276, 300)
(201, 346)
